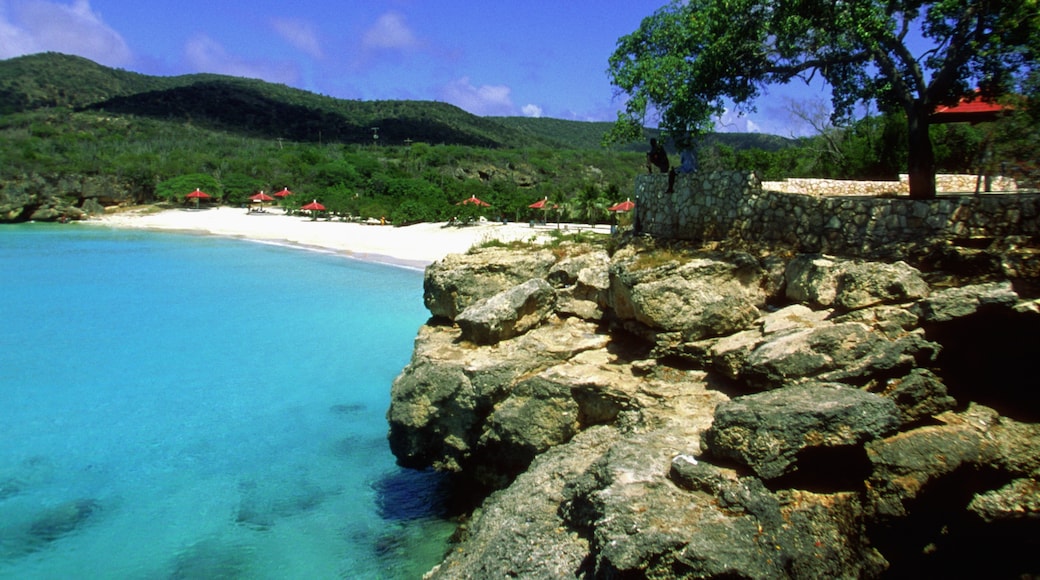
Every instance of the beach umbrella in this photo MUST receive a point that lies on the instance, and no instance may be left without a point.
(542, 204)
(314, 206)
(473, 199)
(626, 205)
(283, 193)
(197, 195)
(261, 198)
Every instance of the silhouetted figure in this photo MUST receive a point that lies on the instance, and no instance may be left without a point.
(656, 157)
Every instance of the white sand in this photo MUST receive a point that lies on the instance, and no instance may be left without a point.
(416, 245)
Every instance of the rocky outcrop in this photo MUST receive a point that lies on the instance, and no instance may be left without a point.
(686, 413)
(59, 198)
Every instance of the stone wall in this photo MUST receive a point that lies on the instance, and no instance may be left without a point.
(944, 183)
(735, 206)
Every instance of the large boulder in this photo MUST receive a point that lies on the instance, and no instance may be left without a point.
(825, 281)
(440, 403)
(696, 297)
(507, 314)
(952, 303)
(767, 431)
(849, 352)
(452, 284)
(582, 282)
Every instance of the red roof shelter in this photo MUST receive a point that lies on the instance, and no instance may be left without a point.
(969, 109)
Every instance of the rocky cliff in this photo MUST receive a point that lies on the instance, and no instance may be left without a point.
(694, 412)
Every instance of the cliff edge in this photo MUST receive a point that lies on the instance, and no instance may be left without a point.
(684, 411)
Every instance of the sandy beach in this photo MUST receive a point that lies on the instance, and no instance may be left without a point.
(414, 246)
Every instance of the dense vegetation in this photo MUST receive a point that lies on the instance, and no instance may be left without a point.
(691, 60)
(76, 129)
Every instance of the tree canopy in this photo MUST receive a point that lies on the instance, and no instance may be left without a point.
(691, 58)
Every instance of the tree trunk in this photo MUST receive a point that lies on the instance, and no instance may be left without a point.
(920, 156)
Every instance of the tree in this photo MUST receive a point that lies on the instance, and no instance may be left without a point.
(688, 58)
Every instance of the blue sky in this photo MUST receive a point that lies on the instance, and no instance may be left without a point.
(534, 58)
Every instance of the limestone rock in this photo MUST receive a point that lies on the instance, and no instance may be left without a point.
(953, 303)
(846, 352)
(812, 279)
(521, 533)
(440, 402)
(767, 431)
(452, 284)
(705, 296)
(1018, 500)
(582, 282)
(507, 314)
(906, 464)
(919, 395)
(827, 281)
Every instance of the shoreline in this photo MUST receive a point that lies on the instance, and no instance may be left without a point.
(415, 246)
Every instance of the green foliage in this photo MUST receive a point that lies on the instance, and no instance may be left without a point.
(176, 188)
(691, 58)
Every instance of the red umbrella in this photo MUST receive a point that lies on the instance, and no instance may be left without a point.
(283, 193)
(626, 205)
(540, 204)
(261, 198)
(197, 195)
(473, 199)
(314, 206)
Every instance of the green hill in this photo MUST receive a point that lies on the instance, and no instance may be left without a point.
(589, 135)
(249, 107)
(265, 110)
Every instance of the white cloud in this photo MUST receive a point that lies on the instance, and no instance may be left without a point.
(483, 100)
(390, 32)
(300, 34)
(207, 55)
(40, 26)
(531, 111)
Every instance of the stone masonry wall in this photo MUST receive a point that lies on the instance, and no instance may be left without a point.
(944, 183)
(734, 206)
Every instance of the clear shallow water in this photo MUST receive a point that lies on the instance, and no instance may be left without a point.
(177, 406)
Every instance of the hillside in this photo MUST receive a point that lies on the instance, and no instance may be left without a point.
(272, 111)
(249, 107)
(589, 135)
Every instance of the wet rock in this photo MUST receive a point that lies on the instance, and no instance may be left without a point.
(508, 313)
(767, 431)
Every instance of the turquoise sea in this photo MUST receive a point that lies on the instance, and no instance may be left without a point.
(179, 406)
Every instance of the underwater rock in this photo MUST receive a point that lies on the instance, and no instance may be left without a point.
(264, 503)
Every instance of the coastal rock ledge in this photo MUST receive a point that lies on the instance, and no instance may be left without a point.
(689, 412)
